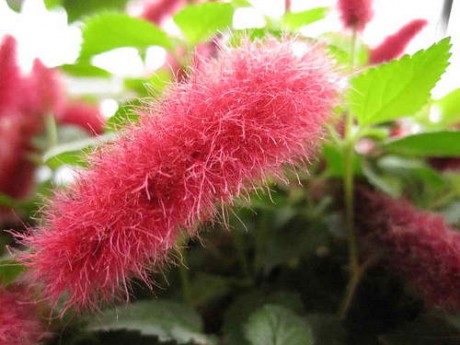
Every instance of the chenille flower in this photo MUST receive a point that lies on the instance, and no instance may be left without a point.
(250, 112)
(394, 45)
(418, 245)
(19, 318)
(9, 77)
(84, 115)
(355, 14)
(48, 92)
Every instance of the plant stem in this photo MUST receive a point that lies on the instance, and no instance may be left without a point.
(185, 282)
(348, 188)
(51, 131)
(240, 248)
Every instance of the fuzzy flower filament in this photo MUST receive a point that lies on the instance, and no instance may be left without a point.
(245, 115)
(19, 319)
(418, 245)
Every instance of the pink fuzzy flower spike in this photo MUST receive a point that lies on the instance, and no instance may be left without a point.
(19, 320)
(83, 115)
(418, 245)
(355, 14)
(9, 76)
(251, 111)
(394, 45)
(46, 86)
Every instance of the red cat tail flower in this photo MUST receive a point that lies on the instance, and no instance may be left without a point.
(9, 76)
(394, 45)
(84, 115)
(355, 14)
(47, 89)
(19, 319)
(418, 245)
(251, 111)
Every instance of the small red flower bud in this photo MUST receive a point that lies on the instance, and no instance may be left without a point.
(355, 14)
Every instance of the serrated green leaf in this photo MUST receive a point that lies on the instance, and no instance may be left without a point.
(169, 321)
(399, 88)
(84, 70)
(74, 153)
(449, 108)
(10, 269)
(108, 31)
(431, 144)
(296, 20)
(275, 325)
(200, 22)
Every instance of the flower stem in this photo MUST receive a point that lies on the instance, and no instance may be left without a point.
(348, 188)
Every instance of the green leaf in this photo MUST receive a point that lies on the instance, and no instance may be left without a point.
(339, 47)
(241, 3)
(205, 288)
(10, 269)
(335, 161)
(200, 22)
(108, 31)
(85, 70)
(152, 85)
(431, 144)
(449, 108)
(275, 325)
(169, 321)
(327, 329)
(50, 4)
(239, 312)
(399, 88)
(386, 183)
(294, 21)
(74, 153)
(77, 9)
(15, 5)
(125, 115)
